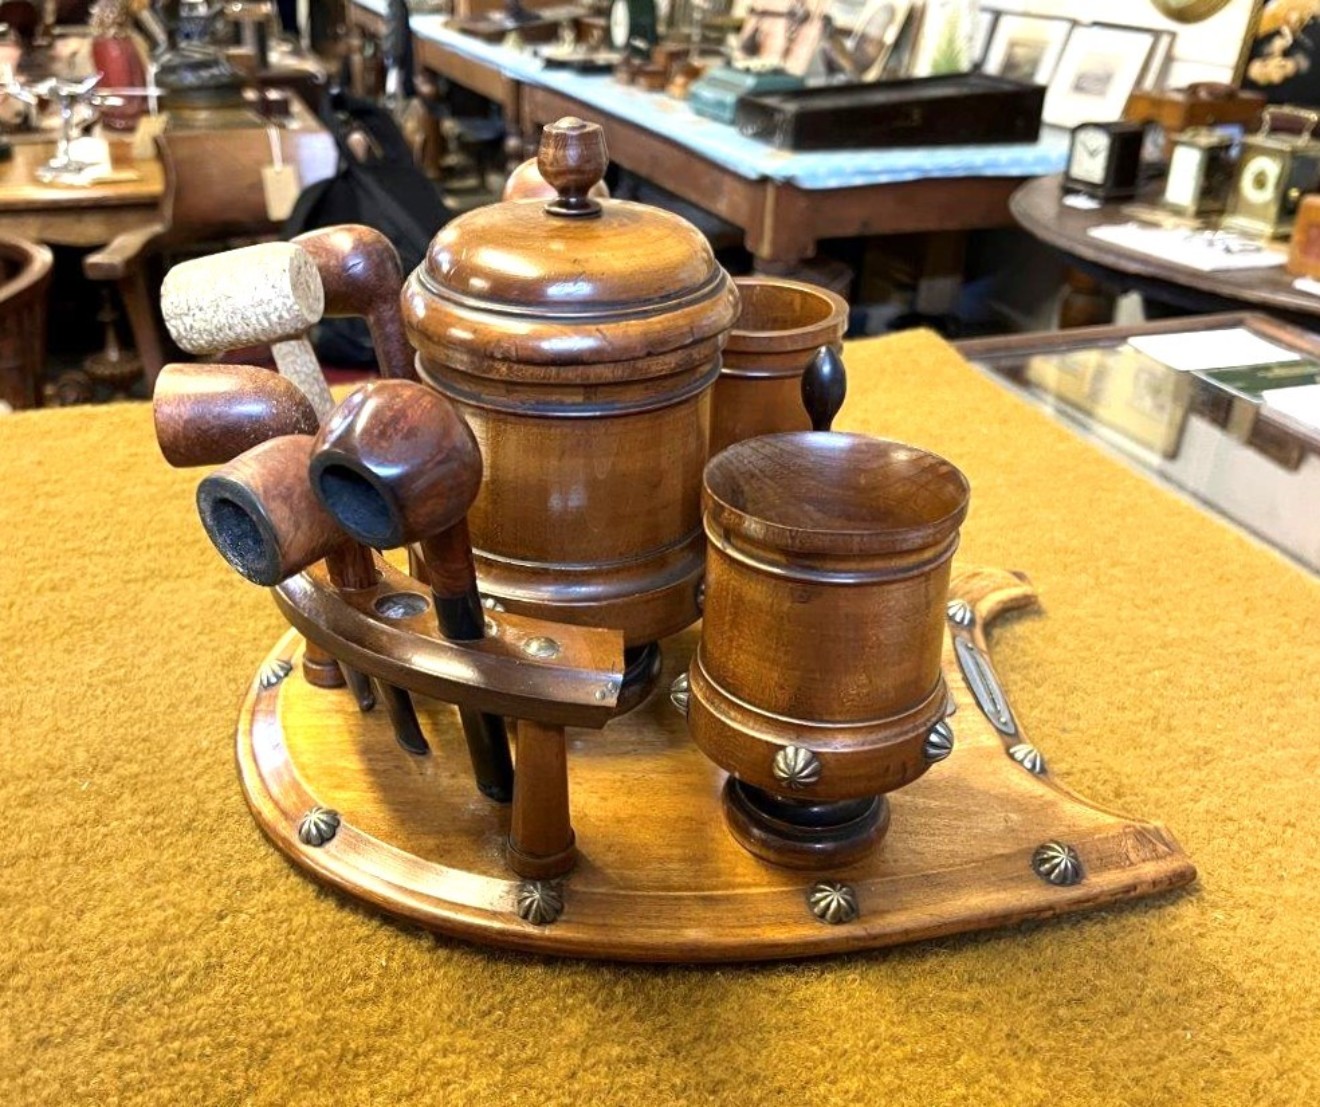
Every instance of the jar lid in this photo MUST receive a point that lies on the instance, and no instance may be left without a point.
(577, 279)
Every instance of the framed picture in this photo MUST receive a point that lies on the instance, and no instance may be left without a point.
(981, 34)
(948, 30)
(1026, 47)
(785, 33)
(1100, 67)
(1283, 53)
(1158, 63)
(869, 28)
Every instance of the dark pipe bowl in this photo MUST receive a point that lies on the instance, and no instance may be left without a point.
(357, 499)
(240, 530)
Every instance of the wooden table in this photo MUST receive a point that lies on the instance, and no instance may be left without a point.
(485, 80)
(1036, 207)
(781, 221)
(68, 215)
(159, 952)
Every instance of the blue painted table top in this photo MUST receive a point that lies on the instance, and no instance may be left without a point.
(722, 144)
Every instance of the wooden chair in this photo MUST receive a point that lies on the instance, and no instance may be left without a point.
(213, 195)
(24, 284)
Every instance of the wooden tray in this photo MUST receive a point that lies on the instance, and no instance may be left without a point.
(985, 839)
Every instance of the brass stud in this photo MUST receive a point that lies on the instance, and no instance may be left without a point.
(539, 902)
(833, 902)
(318, 826)
(1057, 863)
(939, 742)
(796, 767)
(272, 672)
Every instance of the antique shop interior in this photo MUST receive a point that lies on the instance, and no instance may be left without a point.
(660, 552)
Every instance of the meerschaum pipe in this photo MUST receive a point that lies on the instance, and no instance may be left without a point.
(209, 414)
(396, 464)
(361, 275)
(261, 515)
(269, 293)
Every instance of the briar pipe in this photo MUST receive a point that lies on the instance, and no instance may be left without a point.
(260, 514)
(265, 294)
(209, 414)
(396, 464)
(361, 275)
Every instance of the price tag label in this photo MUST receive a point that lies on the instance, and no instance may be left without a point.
(279, 182)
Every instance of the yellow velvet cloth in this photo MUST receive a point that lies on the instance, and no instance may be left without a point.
(155, 949)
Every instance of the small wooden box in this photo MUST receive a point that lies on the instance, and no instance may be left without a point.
(964, 108)
(1304, 248)
(1204, 104)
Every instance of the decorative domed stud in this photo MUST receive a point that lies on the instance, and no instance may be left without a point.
(1029, 757)
(939, 742)
(1057, 863)
(833, 902)
(539, 902)
(796, 767)
(960, 613)
(318, 826)
(680, 694)
(273, 671)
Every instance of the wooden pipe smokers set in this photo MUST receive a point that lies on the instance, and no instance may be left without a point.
(612, 470)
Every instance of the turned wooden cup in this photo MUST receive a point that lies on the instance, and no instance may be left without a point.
(780, 326)
(580, 339)
(817, 683)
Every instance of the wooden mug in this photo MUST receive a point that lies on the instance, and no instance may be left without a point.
(780, 326)
(817, 683)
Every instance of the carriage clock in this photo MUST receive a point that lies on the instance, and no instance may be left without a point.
(1200, 172)
(634, 26)
(1276, 170)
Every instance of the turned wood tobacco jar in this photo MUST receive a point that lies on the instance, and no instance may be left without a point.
(580, 338)
(780, 326)
(818, 674)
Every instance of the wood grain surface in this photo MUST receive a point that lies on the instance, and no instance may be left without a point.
(658, 878)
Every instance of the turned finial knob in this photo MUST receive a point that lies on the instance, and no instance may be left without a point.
(572, 159)
(824, 385)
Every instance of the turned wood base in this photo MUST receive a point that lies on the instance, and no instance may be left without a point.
(986, 838)
(821, 836)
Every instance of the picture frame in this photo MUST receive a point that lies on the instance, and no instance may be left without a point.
(1157, 65)
(946, 41)
(1097, 72)
(869, 30)
(986, 18)
(1026, 47)
(1281, 54)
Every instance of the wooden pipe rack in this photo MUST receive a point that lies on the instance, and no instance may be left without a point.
(990, 839)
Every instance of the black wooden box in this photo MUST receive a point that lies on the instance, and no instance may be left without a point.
(962, 109)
